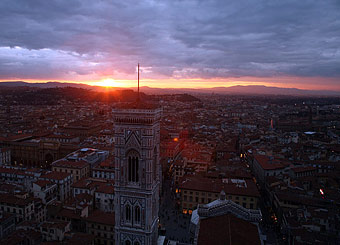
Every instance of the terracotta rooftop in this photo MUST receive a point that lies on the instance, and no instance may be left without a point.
(21, 236)
(197, 183)
(12, 199)
(81, 238)
(268, 164)
(70, 164)
(106, 164)
(18, 137)
(55, 224)
(56, 175)
(303, 169)
(101, 217)
(227, 230)
(68, 213)
(106, 188)
(88, 183)
(43, 183)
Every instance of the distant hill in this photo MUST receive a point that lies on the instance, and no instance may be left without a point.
(247, 90)
(43, 85)
(29, 95)
(260, 89)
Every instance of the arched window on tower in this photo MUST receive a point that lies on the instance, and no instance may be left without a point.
(128, 213)
(136, 243)
(137, 214)
(127, 242)
(133, 167)
(129, 168)
(137, 169)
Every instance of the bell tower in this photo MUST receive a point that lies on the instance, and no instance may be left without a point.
(137, 173)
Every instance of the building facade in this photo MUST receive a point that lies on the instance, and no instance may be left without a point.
(22, 206)
(30, 151)
(79, 169)
(101, 225)
(5, 156)
(137, 174)
(194, 191)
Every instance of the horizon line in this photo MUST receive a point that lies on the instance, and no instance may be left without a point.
(91, 84)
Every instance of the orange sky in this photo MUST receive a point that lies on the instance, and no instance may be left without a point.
(314, 83)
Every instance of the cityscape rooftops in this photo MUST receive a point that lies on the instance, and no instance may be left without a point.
(268, 164)
(14, 200)
(101, 217)
(56, 175)
(230, 186)
(70, 164)
(43, 183)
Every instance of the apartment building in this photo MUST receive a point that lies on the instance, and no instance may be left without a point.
(79, 169)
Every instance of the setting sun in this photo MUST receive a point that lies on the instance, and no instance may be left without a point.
(109, 82)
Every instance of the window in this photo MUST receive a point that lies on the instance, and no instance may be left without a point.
(128, 213)
(136, 243)
(127, 242)
(133, 167)
(137, 214)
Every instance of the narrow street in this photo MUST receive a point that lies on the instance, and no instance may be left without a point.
(176, 224)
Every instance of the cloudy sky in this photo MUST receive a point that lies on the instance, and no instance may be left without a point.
(179, 43)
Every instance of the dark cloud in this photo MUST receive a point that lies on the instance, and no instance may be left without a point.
(180, 39)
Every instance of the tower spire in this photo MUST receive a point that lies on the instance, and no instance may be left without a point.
(138, 81)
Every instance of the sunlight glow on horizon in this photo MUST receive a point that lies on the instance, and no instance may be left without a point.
(198, 83)
(109, 82)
